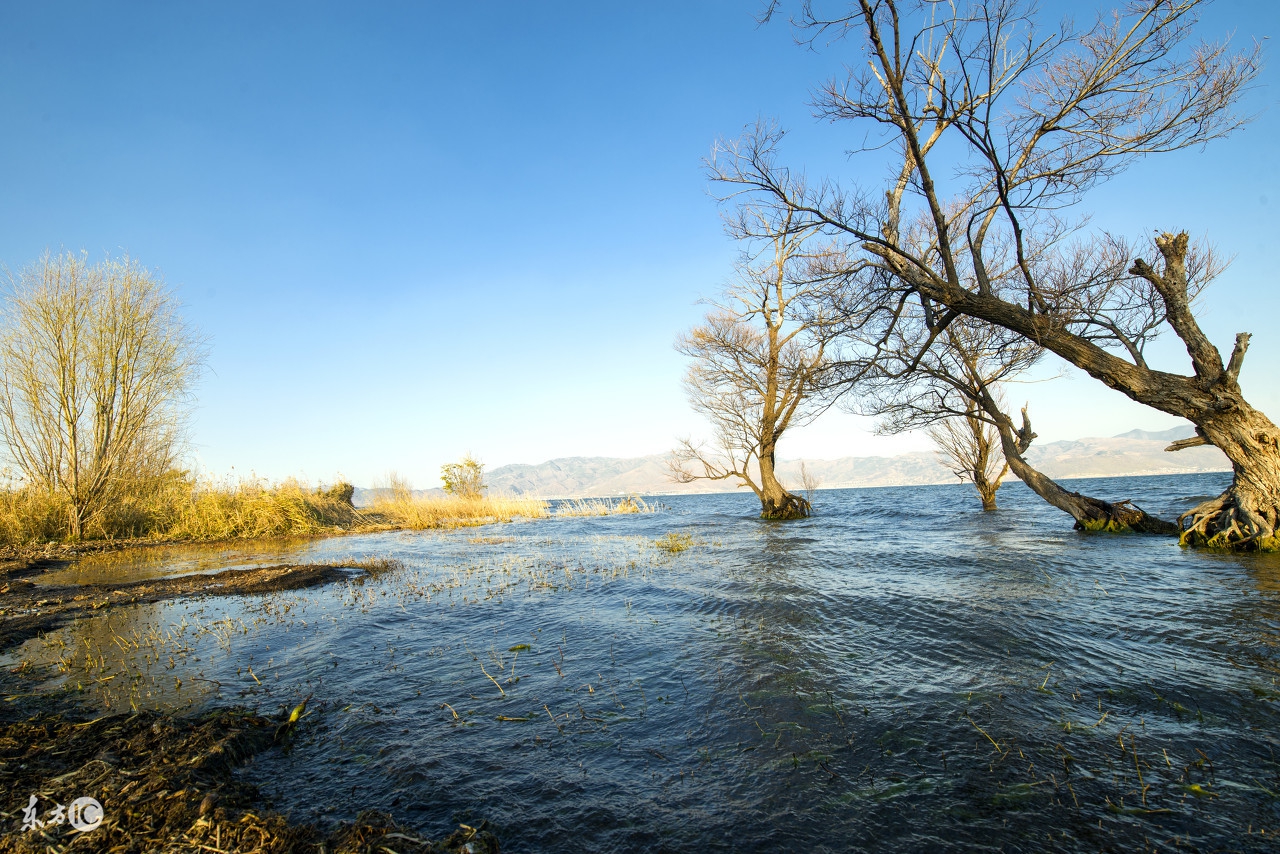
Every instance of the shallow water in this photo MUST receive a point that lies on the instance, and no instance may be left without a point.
(900, 672)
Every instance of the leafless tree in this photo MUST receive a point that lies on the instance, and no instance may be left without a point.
(810, 481)
(970, 448)
(759, 359)
(993, 129)
(957, 381)
(97, 367)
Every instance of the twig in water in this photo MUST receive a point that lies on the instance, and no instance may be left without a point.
(989, 738)
(491, 679)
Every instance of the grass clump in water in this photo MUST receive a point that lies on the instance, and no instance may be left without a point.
(675, 542)
(605, 507)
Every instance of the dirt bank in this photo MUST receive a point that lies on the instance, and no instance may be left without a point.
(28, 609)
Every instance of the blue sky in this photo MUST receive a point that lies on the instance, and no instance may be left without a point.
(414, 230)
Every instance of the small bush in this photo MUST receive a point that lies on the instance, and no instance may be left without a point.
(464, 479)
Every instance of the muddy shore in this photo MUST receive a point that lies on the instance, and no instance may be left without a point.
(165, 782)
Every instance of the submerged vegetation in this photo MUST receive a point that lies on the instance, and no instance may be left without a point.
(484, 662)
(187, 766)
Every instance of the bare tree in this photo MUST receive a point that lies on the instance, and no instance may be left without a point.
(758, 359)
(997, 128)
(810, 481)
(97, 367)
(956, 381)
(970, 447)
(1091, 514)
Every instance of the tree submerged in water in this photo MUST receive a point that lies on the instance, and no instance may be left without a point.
(996, 128)
(759, 361)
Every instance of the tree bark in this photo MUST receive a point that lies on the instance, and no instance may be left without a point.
(775, 501)
(1248, 513)
(986, 490)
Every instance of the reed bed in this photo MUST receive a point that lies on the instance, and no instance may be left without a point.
(252, 508)
(30, 516)
(401, 509)
(605, 507)
(181, 507)
(178, 506)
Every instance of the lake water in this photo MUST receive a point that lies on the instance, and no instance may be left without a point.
(900, 672)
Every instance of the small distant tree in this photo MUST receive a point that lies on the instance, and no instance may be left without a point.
(96, 370)
(809, 482)
(464, 479)
(758, 360)
(970, 447)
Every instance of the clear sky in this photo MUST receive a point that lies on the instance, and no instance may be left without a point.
(413, 230)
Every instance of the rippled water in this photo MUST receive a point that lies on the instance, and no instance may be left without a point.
(900, 672)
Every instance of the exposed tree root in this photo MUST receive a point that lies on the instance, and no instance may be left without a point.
(1229, 522)
(788, 507)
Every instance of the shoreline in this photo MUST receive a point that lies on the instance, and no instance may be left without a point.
(165, 781)
(168, 782)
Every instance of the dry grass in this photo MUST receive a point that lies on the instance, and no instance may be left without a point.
(253, 508)
(605, 507)
(401, 509)
(675, 542)
(31, 516)
(180, 507)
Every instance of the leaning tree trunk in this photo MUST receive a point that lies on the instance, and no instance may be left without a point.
(1247, 515)
(775, 501)
(1091, 514)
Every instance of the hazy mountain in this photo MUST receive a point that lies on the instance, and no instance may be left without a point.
(1136, 452)
(1173, 434)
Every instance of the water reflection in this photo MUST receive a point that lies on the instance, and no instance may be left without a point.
(131, 657)
(152, 562)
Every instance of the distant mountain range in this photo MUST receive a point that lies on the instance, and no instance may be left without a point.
(1136, 452)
